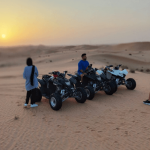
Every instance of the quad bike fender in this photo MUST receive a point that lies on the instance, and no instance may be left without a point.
(41, 82)
(119, 72)
(116, 73)
(124, 71)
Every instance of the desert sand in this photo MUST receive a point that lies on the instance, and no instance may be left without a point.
(117, 122)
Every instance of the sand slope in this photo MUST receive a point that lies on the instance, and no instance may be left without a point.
(107, 122)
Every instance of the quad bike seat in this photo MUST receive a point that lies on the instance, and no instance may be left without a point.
(46, 78)
(78, 77)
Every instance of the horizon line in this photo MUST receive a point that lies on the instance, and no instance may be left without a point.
(26, 45)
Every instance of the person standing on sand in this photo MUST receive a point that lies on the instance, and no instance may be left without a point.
(147, 102)
(30, 74)
(82, 66)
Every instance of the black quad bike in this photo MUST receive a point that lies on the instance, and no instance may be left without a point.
(93, 80)
(57, 89)
(77, 84)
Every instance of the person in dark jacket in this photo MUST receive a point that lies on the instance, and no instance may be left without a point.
(30, 74)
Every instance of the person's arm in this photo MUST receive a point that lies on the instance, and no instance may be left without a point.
(24, 73)
(87, 66)
(36, 72)
(82, 71)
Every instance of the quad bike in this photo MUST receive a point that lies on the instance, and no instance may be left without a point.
(91, 79)
(57, 89)
(89, 90)
(118, 77)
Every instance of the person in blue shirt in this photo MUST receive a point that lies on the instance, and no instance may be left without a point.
(82, 66)
(30, 74)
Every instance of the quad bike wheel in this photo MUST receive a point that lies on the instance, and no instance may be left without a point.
(110, 88)
(131, 84)
(115, 86)
(81, 93)
(90, 92)
(55, 101)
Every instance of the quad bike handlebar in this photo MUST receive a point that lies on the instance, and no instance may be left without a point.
(88, 70)
(58, 74)
(72, 75)
(117, 67)
(108, 68)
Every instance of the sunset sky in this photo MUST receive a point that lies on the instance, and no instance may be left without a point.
(67, 22)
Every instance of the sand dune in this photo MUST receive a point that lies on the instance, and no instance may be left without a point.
(129, 62)
(107, 122)
(133, 46)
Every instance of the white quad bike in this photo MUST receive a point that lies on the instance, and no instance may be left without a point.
(118, 76)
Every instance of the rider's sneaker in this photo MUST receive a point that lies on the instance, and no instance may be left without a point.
(25, 105)
(33, 105)
(147, 102)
